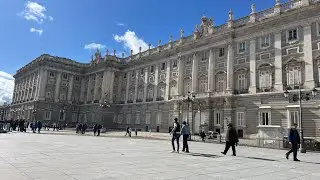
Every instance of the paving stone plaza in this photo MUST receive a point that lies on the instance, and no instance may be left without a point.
(27, 156)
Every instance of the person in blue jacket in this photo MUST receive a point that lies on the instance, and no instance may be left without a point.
(294, 140)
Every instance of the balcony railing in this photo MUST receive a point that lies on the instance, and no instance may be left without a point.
(139, 100)
(265, 89)
(160, 98)
(149, 99)
(130, 101)
(241, 91)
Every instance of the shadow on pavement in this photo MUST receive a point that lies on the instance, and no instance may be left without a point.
(310, 162)
(202, 155)
(257, 158)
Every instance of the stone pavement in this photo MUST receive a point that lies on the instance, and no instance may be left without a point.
(28, 156)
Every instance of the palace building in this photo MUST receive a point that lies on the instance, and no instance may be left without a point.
(236, 72)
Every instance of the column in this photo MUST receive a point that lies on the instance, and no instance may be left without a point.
(96, 85)
(230, 60)
(57, 89)
(168, 81)
(104, 84)
(42, 83)
(195, 72)
(88, 89)
(70, 88)
(119, 88)
(308, 58)
(180, 76)
(110, 89)
(127, 88)
(278, 86)
(136, 86)
(145, 91)
(211, 71)
(156, 82)
(82, 95)
(253, 86)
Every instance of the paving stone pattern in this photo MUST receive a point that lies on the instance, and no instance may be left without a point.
(28, 156)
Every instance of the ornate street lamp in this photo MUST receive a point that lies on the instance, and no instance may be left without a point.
(34, 110)
(189, 99)
(105, 103)
(299, 97)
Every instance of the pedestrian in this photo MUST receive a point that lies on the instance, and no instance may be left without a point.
(95, 129)
(294, 140)
(202, 135)
(84, 128)
(175, 134)
(185, 132)
(99, 129)
(127, 131)
(39, 126)
(136, 131)
(231, 140)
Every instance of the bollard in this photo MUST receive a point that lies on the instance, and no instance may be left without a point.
(219, 138)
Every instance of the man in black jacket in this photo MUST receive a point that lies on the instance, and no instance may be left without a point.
(294, 140)
(231, 139)
(175, 134)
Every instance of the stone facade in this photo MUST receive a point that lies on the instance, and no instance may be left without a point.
(237, 72)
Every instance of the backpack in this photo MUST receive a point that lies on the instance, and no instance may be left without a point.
(178, 127)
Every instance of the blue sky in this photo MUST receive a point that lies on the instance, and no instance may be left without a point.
(65, 27)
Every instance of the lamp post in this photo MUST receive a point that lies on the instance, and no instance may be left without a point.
(62, 111)
(189, 99)
(105, 104)
(299, 97)
(34, 111)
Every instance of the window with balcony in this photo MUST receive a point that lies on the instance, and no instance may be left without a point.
(218, 118)
(294, 75)
(242, 84)
(150, 93)
(65, 76)
(265, 41)
(77, 78)
(292, 35)
(162, 92)
(264, 118)
(51, 74)
(242, 47)
(203, 86)
(221, 83)
(265, 79)
(240, 119)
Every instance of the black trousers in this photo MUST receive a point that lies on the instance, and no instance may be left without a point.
(185, 142)
(294, 150)
(228, 144)
(175, 137)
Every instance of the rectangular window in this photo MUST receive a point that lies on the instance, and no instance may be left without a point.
(294, 75)
(125, 76)
(218, 118)
(204, 56)
(65, 76)
(51, 74)
(294, 117)
(240, 119)
(174, 63)
(203, 86)
(77, 78)
(221, 84)
(163, 66)
(47, 115)
(221, 52)
(264, 118)
(142, 71)
(242, 82)
(265, 79)
(152, 69)
(292, 35)
(242, 47)
(265, 41)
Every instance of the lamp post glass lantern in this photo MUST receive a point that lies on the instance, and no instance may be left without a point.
(189, 99)
(298, 98)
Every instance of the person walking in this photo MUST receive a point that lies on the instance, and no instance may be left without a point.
(84, 128)
(175, 135)
(39, 126)
(202, 135)
(231, 140)
(99, 129)
(294, 140)
(95, 129)
(185, 132)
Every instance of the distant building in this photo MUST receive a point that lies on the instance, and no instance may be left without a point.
(238, 72)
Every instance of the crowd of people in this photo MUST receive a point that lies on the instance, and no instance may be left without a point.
(82, 128)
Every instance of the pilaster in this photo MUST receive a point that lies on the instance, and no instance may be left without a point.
(57, 88)
(278, 86)
(136, 86)
(70, 88)
(253, 86)
(195, 63)
(230, 61)
(127, 87)
(308, 58)
(168, 81)
(89, 88)
(211, 71)
(104, 84)
(82, 95)
(42, 83)
(96, 84)
(110, 89)
(145, 90)
(156, 82)
(119, 89)
(180, 76)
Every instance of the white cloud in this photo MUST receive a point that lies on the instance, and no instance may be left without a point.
(94, 46)
(35, 12)
(131, 41)
(6, 87)
(120, 24)
(39, 31)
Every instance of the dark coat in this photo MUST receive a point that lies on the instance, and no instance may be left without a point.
(294, 136)
(232, 135)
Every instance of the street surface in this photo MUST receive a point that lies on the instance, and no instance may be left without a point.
(28, 156)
